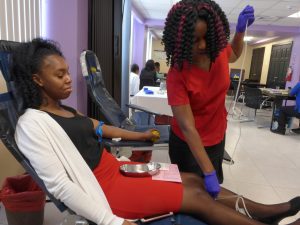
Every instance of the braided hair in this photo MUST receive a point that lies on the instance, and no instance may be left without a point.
(178, 35)
(27, 60)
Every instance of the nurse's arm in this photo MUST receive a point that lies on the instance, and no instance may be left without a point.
(186, 122)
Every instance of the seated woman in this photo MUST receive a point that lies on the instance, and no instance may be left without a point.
(58, 140)
(289, 111)
(148, 75)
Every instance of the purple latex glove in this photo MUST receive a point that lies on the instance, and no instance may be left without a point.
(211, 183)
(246, 15)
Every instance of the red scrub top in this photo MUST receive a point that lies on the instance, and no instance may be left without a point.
(205, 91)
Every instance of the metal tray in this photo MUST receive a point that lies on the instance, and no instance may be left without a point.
(140, 170)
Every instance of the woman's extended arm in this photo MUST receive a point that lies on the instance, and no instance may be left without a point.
(115, 132)
(185, 119)
(237, 45)
(246, 18)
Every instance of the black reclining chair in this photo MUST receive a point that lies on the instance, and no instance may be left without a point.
(111, 110)
(8, 118)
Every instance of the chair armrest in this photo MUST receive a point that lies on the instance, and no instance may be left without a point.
(136, 107)
(112, 143)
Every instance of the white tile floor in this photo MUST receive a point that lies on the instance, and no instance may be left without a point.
(266, 165)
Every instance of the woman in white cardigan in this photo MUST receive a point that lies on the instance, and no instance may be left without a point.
(62, 146)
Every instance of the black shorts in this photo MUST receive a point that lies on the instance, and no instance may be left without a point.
(181, 155)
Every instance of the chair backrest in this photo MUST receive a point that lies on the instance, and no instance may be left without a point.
(253, 97)
(92, 73)
(9, 115)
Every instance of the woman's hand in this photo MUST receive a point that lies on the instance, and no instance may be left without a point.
(246, 18)
(211, 183)
(126, 222)
(152, 135)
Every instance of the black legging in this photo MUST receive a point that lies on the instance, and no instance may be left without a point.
(181, 155)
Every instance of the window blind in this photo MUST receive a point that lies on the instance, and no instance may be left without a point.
(20, 20)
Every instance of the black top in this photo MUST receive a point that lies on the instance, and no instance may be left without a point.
(147, 78)
(80, 129)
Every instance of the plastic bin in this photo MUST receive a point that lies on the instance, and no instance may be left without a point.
(23, 200)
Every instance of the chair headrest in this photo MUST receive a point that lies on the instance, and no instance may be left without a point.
(91, 69)
(8, 46)
(4, 75)
(8, 92)
(89, 63)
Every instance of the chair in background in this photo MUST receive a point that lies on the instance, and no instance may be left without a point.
(256, 100)
(92, 73)
(239, 95)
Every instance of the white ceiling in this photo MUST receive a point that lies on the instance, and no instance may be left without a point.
(271, 15)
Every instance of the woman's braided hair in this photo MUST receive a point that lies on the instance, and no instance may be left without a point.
(178, 36)
(27, 60)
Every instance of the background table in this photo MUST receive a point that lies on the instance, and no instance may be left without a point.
(156, 102)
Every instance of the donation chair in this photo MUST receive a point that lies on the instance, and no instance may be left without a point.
(9, 111)
(92, 73)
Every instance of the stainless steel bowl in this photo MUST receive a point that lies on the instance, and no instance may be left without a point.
(140, 170)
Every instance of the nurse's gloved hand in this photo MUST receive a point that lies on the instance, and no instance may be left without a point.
(246, 15)
(211, 183)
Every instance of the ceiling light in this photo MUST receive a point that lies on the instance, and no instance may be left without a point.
(248, 38)
(295, 15)
(265, 40)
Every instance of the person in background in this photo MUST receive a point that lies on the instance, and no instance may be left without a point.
(148, 75)
(289, 111)
(157, 69)
(195, 37)
(134, 80)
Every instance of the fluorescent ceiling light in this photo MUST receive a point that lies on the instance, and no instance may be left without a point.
(248, 38)
(265, 40)
(295, 15)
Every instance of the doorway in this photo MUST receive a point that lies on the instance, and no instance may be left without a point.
(256, 64)
(279, 62)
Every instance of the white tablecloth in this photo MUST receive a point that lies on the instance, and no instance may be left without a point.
(156, 102)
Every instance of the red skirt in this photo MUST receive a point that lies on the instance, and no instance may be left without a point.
(134, 198)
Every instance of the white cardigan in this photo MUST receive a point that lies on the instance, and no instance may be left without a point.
(59, 164)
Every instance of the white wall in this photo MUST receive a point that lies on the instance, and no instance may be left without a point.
(158, 55)
(246, 58)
